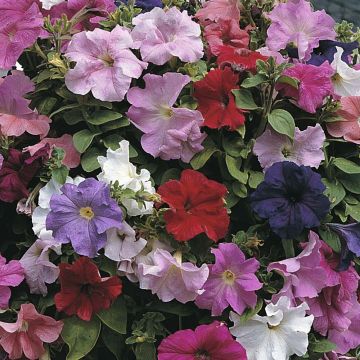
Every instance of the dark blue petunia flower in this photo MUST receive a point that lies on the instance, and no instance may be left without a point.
(291, 198)
(327, 50)
(144, 4)
(350, 234)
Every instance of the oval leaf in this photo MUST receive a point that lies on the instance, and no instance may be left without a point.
(83, 139)
(115, 317)
(103, 116)
(282, 122)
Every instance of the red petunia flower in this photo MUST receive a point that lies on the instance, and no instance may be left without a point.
(196, 206)
(83, 291)
(239, 59)
(216, 102)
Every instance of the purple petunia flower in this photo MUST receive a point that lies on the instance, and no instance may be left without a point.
(82, 214)
(291, 198)
(232, 281)
(295, 23)
(351, 234)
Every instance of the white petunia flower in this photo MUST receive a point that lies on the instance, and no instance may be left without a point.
(277, 336)
(40, 213)
(116, 166)
(48, 4)
(346, 80)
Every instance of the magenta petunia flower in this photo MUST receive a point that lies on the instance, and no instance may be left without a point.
(105, 64)
(16, 117)
(295, 23)
(305, 149)
(82, 214)
(212, 341)
(20, 25)
(170, 133)
(232, 281)
(161, 35)
(11, 274)
(216, 10)
(314, 85)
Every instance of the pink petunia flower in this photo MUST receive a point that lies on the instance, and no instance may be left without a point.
(349, 126)
(11, 274)
(305, 149)
(27, 335)
(232, 281)
(161, 35)
(170, 279)
(225, 32)
(216, 10)
(314, 85)
(295, 23)
(65, 142)
(169, 132)
(105, 64)
(20, 25)
(16, 117)
(212, 341)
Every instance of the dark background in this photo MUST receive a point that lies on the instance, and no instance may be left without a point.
(341, 9)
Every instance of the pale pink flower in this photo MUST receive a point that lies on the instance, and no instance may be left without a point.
(27, 335)
(215, 10)
(105, 65)
(161, 35)
(65, 142)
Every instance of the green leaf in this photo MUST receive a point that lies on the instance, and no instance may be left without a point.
(116, 124)
(322, 346)
(351, 183)
(101, 117)
(253, 81)
(89, 161)
(145, 351)
(282, 122)
(334, 191)
(170, 174)
(239, 189)
(46, 105)
(200, 159)
(83, 139)
(233, 146)
(289, 81)
(249, 313)
(80, 336)
(255, 179)
(73, 117)
(112, 141)
(60, 174)
(233, 165)
(353, 211)
(114, 342)
(331, 238)
(115, 317)
(244, 99)
(172, 307)
(346, 166)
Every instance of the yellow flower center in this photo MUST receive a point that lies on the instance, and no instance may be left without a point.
(107, 60)
(87, 213)
(24, 326)
(228, 277)
(166, 111)
(336, 78)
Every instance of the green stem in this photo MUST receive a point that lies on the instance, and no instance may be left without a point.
(288, 246)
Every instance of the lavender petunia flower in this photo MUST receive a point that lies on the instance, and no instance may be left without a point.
(105, 64)
(232, 281)
(295, 23)
(351, 234)
(306, 148)
(291, 198)
(82, 214)
(170, 133)
(161, 35)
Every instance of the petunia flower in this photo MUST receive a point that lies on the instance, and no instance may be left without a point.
(146, 5)
(349, 126)
(169, 132)
(278, 335)
(314, 85)
(306, 274)
(82, 214)
(16, 117)
(11, 274)
(105, 64)
(116, 166)
(232, 281)
(216, 10)
(169, 278)
(39, 270)
(225, 32)
(42, 210)
(83, 291)
(295, 23)
(291, 198)
(196, 206)
(346, 80)
(216, 102)
(65, 142)
(350, 233)
(306, 148)
(18, 169)
(211, 341)
(162, 35)
(20, 25)
(27, 335)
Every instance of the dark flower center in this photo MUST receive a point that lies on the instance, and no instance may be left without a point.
(295, 196)
(86, 289)
(224, 101)
(202, 355)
